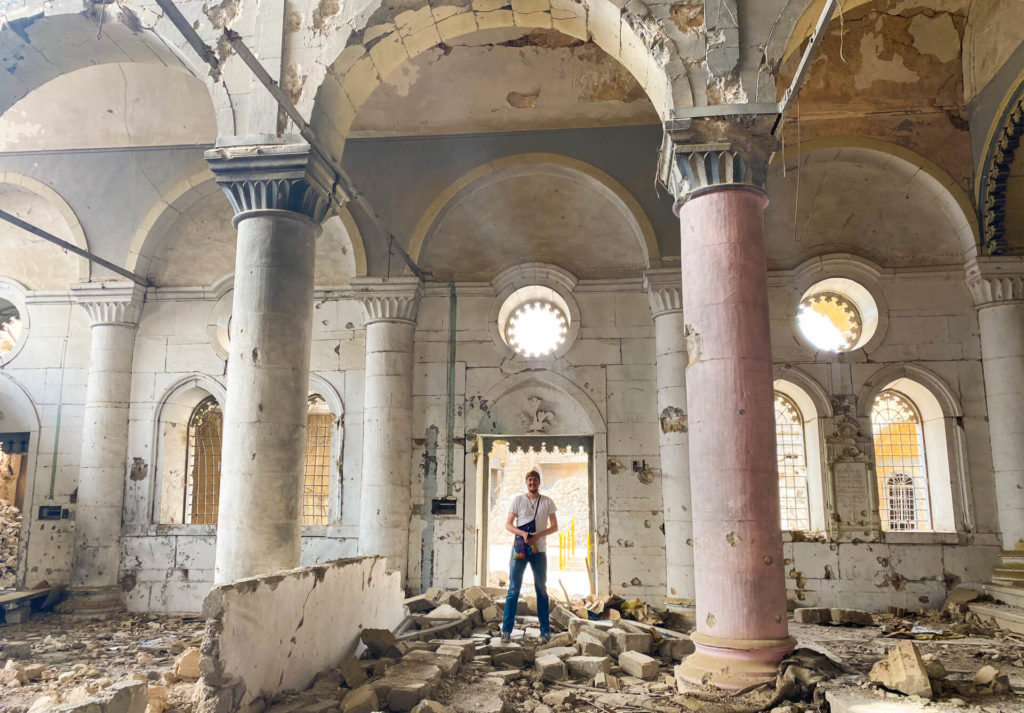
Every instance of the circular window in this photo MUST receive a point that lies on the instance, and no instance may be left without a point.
(535, 322)
(10, 328)
(837, 315)
(536, 329)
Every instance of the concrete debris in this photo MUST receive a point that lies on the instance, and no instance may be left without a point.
(903, 671)
(187, 664)
(10, 531)
(838, 617)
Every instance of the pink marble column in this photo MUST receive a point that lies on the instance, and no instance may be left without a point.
(740, 587)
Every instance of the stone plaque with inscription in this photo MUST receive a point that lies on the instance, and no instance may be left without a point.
(853, 495)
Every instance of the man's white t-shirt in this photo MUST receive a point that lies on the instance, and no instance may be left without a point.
(526, 510)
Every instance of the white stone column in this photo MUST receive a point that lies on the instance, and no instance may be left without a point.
(390, 306)
(278, 214)
(665, 293)
(997, 285)
(113, 308)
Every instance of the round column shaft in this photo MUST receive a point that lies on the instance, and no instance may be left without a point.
(740, 588)
(104, 451)
(670, 349)
(258, 527)
(1002, 351)
(385, 507)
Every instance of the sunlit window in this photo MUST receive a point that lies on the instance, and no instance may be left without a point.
(317, 477)
(792, 464)
(202, 486)
(536, 329)
(900, 463)
(10, 327)
(830, 321)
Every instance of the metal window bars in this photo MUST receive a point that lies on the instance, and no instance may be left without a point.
(792, 465)
(903, 501)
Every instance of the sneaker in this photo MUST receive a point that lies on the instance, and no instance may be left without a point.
(506, 638)
(545, 638)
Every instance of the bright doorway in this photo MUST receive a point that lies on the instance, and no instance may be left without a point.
(565, 464)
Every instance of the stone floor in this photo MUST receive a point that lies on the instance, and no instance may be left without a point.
(56, 659)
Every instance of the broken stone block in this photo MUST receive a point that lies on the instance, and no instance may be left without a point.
(405, 695)
(561, 697)
(812, 615)
(156, 699)
(675, 649)
(445, 611)
(87, 706)
(594, 636)
(507, 676)
(352, 672)
(562, 616)
(550, 668)
(512, 658)
(34, 671)
(439, 596)
(429, 706)
(640, 665)
(187, 664)
(491, 614)
(16, 649)
(576, 625)
(474, 617)
(851, 617)
(990, 678)
(447, 664)
(589, 647)
(378, 641)
(360, 700)
(606, 680)
(124, 697)
(419, 604)
(622, 640)
(462, 653)
(562, 639)
(477, 597)
(936, 671)
(903, 671)
(588, 666)
(559, 652)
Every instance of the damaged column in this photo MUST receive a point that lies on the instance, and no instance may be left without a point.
(113, 308)
(390, 306)
(278, 211)
(740, 588)
(663, 289)
(997, 285)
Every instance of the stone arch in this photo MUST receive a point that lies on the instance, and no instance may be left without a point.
(995, 172)
(57, 201)
(952, 200)
(184, 194)
(943, 433)
(170, 419)
(476, 423)
(813, 391)
(19, 414)
(492, 170)
(120, 39)
(350, 68)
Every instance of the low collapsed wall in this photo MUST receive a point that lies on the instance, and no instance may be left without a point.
(276, 632)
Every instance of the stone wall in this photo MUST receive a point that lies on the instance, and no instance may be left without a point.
(276, 632)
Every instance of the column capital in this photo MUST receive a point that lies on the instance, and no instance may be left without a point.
(388, 299)
(995, 280)
(272, 177)
(665, 291)
(707, 153)
(110, 302)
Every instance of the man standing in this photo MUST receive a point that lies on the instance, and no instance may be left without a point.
(534, 519)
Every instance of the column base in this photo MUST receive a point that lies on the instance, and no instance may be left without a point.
(731, 664)
(92, 602)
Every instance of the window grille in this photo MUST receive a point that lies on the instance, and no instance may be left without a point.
(316, 481)
(900, 464)
(792, 465)
(202, 490)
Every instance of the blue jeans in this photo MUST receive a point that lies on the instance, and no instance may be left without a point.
(539, 564)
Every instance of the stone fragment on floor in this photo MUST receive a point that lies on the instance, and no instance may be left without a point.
(903, 671)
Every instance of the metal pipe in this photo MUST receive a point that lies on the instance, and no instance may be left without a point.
(39, 232)
(449, 458)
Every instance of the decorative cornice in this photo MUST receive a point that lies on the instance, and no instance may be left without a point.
(995, 280)
(110, 302)
(996, 178)
(272, 177)
(395, 299)
(665, 291)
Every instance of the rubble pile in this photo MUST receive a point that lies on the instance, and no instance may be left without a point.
(62, 661)
(10, 531)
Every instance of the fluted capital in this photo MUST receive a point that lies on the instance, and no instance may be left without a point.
(110, 302)
(664, 289)
(272, 177)
(995, 280)
(384, 299)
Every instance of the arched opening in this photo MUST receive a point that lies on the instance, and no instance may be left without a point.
(19, 445)
(903, 498)
(798, 435)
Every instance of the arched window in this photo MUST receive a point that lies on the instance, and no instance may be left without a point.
(900, 463)
(202, 486)
(316, 480)
(792, 464)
